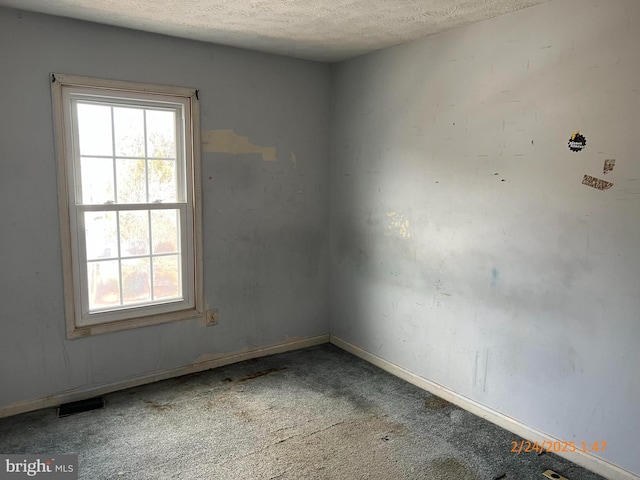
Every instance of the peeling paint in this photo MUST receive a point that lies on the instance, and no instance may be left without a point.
(228, 141)
(398, 225)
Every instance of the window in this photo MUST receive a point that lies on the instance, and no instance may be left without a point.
(129, 198)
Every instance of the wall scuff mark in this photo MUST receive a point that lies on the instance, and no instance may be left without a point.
(398, 225)
(596, 183)
(228, 141)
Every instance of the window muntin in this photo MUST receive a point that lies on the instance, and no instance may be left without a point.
(132, 207)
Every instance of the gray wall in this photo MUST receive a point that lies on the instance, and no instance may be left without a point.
(464, 246)
(265, 236)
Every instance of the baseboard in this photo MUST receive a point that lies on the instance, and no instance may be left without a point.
(584, 459)
(81, 394)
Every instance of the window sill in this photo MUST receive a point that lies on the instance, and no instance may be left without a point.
(79, 331)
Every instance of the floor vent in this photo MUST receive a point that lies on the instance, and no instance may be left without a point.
(72, 408)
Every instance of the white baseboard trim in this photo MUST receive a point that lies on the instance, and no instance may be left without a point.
(84, 393)
(584, 459)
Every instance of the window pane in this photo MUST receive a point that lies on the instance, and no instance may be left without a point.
(131, 176)
(129, 131)
(161, 134)
(162, 181)
(101, 235)
(134, 233)
(104, 284)
(166, 277)
(135, 280)
(94, 129)
(97, 180)
(164, 231)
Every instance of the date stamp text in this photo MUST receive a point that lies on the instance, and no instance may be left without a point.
(525, 446)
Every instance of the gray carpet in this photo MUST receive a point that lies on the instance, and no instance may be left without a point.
(318, 413)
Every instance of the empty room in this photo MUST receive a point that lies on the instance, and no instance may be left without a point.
(270, 239)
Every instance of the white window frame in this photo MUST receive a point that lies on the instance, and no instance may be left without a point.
(67, 89)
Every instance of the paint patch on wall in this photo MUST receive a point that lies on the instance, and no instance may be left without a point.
(596, 183)
(577, 142)
(228, 141)
(608, 166)
(294, 160)
(398, 225)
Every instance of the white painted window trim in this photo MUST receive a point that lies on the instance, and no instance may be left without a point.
(61, 86)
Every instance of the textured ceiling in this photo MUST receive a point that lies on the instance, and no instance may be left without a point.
(324, 30)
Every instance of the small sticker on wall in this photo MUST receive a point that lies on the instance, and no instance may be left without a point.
(594, 182)
(577, 142)
(608, 166)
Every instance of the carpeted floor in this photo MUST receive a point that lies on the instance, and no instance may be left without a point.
(318, 413)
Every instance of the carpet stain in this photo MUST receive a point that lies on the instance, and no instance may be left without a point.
(450, 468)
(243, 415)
(434, 402)
(261, 373)
(187, 377)
(160, 407)
(457, 416)
(321, 449)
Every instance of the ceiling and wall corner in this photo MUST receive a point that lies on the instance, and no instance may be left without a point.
(325, 31)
